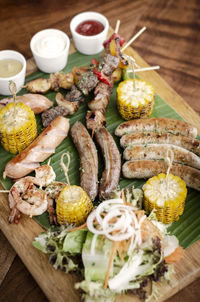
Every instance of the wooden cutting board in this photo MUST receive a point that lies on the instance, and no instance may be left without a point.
(59, 286)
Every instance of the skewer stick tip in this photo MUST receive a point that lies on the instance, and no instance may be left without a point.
(117, 26)
(134, 38)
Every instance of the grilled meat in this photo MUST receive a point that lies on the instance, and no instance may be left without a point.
(87, 82)
(102, 96)
(94, 120)
(111, 173)
(159, 125)
(51, 114)
(88, 157)
(108, 64)
(74, 95)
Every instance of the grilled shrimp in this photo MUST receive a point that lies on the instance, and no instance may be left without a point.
(45, 175)
(53, 191)
(25, 197)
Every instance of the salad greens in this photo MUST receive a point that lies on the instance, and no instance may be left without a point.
(129, 273)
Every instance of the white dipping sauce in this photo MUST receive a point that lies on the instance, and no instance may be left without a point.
(50, 45)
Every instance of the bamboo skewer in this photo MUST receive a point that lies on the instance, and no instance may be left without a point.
(147, 68)
(117, 26)
(133, 38)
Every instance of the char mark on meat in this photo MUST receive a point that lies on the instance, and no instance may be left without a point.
(94, 120)
(51, 114)
(87, 82)
(74, 95)
(108, 64)
(102, 96)
(118, 52)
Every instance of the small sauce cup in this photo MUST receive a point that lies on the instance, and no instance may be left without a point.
(50, 49)
(18, 78)
(89, 45)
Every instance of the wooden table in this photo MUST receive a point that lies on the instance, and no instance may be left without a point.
(172, 41)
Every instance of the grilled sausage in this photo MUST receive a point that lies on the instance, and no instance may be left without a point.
(88, 157)
(159, 125)
(111, 174)
(149, 168)
(37, 102)
(39, 150)
(188, 143)
(158, 151)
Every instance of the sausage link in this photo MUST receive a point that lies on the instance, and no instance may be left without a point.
(88, 158)
(160, 125)
(188, 143)
(39, 150)
(111, 173)
(158, 151)
(149, 168)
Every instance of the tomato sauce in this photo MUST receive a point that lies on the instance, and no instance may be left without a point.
(90, 28)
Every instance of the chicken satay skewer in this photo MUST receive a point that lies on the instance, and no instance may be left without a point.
(133, 38)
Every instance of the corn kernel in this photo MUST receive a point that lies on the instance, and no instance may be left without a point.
(167, 195)
(136, 102)
(19, 129)
(73, 206)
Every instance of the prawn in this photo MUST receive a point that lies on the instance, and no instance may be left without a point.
(52, 192)
(45, 175)
(25, 197)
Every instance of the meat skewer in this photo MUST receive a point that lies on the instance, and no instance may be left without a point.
(111, 174)
(88, 157)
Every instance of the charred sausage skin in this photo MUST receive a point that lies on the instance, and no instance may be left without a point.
(111, 173)
(88, 159)
(159, 125)
(149, 168)
(188, 143)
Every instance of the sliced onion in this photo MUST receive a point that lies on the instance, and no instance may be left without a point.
(126, 226)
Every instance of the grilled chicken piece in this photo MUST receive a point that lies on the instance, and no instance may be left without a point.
(56, 81)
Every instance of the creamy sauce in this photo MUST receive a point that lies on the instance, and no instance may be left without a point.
(9, 68)
(50, 46)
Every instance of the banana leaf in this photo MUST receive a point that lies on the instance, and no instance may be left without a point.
(187, 229)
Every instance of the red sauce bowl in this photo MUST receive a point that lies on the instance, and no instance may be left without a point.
(89, 31)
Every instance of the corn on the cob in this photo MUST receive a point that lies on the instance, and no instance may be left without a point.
(73, 206)
(17, 127)
(167, 195)
(135, 102)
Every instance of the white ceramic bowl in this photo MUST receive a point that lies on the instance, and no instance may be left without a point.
(50, 62)
(89, 45)
(18, 78)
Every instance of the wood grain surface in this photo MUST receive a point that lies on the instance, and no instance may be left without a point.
(172, 41)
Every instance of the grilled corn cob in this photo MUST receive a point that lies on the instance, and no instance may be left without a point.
(165, 194)
(73, 206)
(17, 127)
(135, 102)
